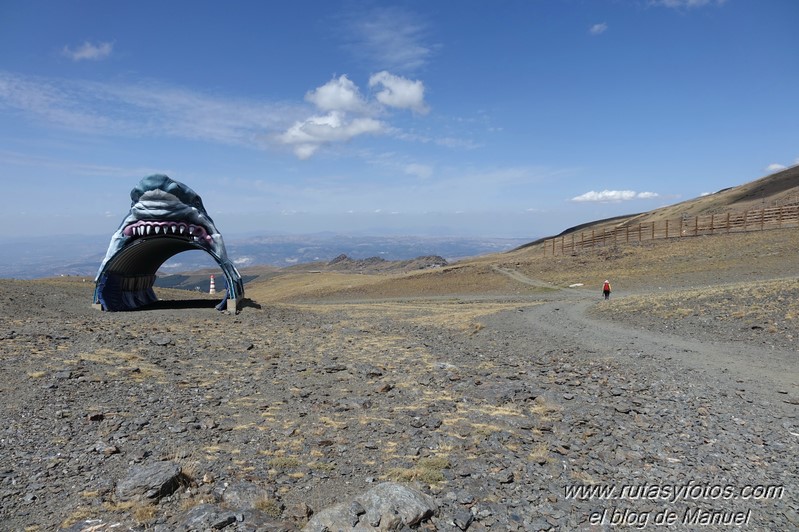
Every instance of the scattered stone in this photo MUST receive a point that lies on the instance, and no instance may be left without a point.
(206, 517)
(387, 506)
(150, 482)
(161, 339)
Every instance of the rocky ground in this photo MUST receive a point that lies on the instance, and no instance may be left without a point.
(548, 412)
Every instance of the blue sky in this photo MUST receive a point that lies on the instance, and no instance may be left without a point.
(463, 118)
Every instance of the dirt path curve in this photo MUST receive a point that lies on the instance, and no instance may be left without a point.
(770, 373)
(521, 278)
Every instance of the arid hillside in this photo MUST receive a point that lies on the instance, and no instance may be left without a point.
(780, 189)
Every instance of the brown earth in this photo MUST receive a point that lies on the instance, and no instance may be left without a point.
(494, 385)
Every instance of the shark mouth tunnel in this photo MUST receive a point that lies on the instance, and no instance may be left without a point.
(166, 218)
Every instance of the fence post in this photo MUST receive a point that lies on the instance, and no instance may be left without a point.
(746, 216)
(653, 230)
(728, 222)
(667, 229)
(762, 218)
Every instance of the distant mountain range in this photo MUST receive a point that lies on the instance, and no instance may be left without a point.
(78, 255)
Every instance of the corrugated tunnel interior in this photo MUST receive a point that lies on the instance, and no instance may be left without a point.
(127, 280)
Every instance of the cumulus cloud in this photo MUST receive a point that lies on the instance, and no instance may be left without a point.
(399, 92)
(346, 114)
(598, 29)
(775, 167)
(307, 136)
(88, 51)
(608, 196)
(339, 94)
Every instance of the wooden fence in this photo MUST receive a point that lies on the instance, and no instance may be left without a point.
(710, 224)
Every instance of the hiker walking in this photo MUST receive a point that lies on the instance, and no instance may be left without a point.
(606, 289)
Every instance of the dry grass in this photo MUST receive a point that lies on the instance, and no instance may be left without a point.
(281, 463)
(760, 302)
(545, 410)
(80, 513)
(300, 286)
(124, 363)
(427, 470)
(460, 280)
(682, 262)
(269, 506)
(141, 512)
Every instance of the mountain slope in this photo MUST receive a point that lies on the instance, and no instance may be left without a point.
(777, 189)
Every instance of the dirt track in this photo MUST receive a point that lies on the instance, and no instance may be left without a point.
(495, 406)
(765, 368)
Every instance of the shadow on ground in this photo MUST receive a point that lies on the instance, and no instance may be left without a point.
(176, 304)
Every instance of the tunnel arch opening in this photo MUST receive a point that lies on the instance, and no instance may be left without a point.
(166, 218)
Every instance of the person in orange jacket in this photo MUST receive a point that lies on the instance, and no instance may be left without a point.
(606, 289)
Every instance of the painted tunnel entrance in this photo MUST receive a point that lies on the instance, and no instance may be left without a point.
(166, 218)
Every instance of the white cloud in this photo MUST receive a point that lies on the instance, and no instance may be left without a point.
(399, 92)
(647, 195)
(775, 167)
(391, 38)
(348, 114)
(307, 136)
(89, 51)
(148, 108)
(422, 171)
(687, 4)
(143, 109)
(598, 29)
(613, 196)
(339, 94)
